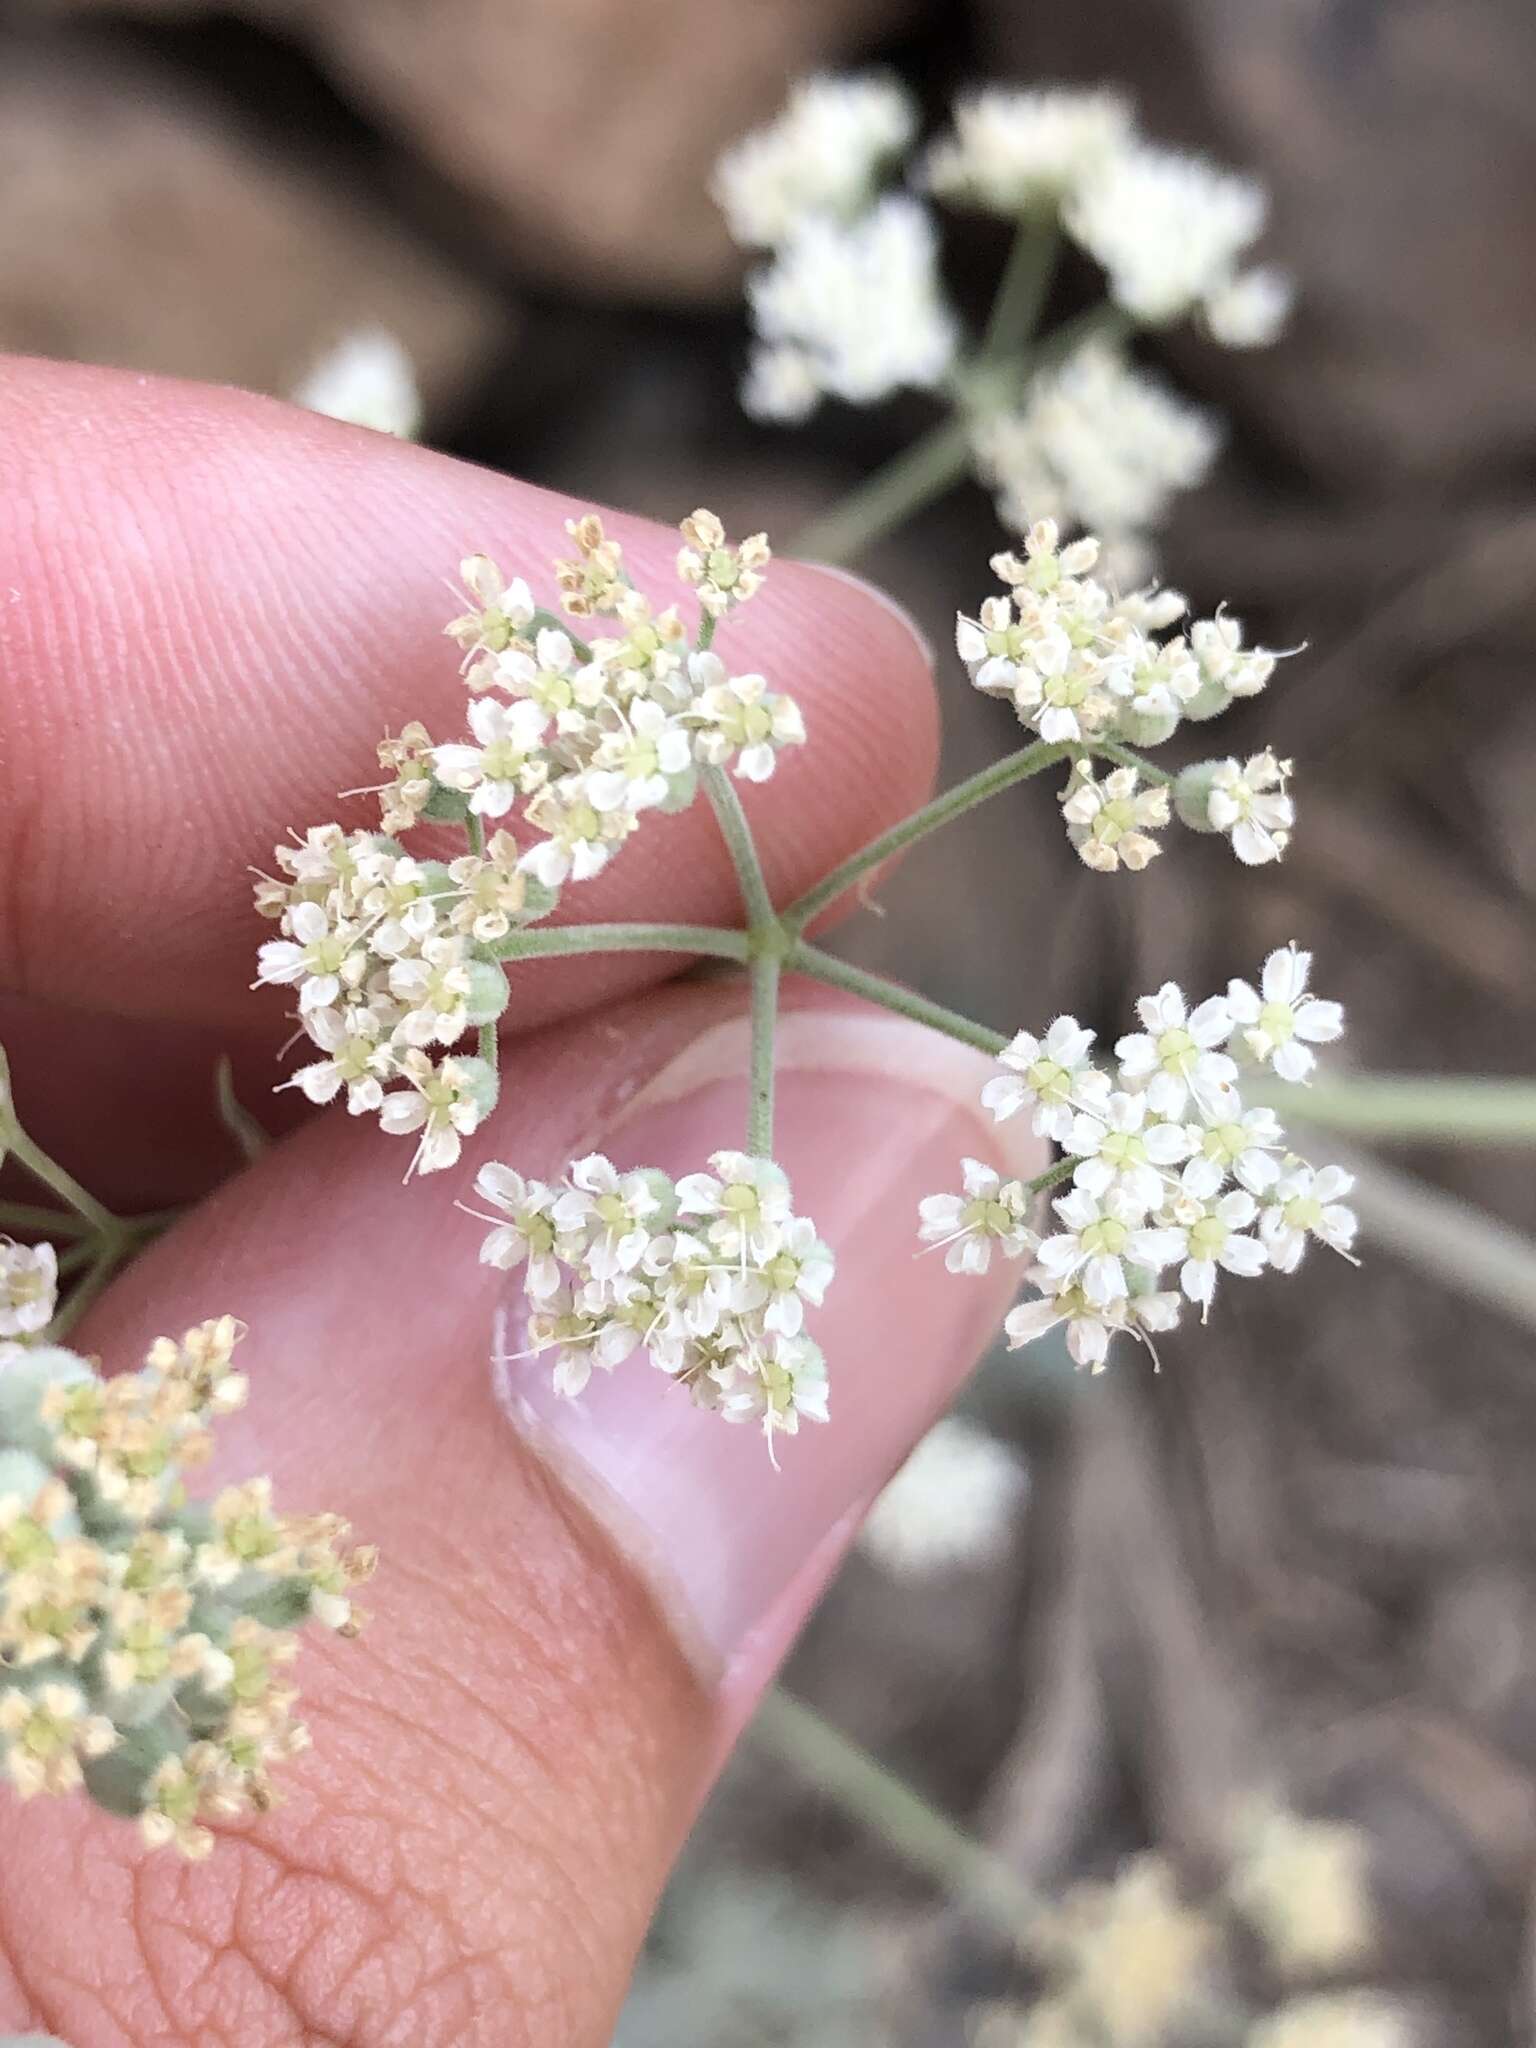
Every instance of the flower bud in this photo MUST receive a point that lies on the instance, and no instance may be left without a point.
(1192, 796)
(488, 992)
(1209, 701)
(1147, 728)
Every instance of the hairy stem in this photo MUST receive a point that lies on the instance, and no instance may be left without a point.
(765, 1016)
(474, 831)
(625, 938)
(742, 847)
(1127, 757)
(954, 803)
(890, 995)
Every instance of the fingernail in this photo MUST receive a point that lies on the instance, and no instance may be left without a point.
(874, 595)
(873, 1112)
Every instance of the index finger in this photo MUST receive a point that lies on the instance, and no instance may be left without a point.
(211, 608)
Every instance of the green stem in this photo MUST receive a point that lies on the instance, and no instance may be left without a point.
(742, 847)
(890, 995)
(923, 471)
(624, 938)
(919, 1833)
(14, 1140)
(765, 1016)
(111, 1255)
(954, 803)
(49, 1223)
(1127, 757)
(1022, 293)
(1053, 1176)
(474, 831)
(1459, 1109)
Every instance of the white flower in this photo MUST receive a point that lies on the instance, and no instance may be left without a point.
(1047, 1072)
(746, 1201)
(619, 1210)
(530, 1236)
(1226, 666)
(1015, 152)
(799, 1271)
(951, 1504)
(1305, 1202)
(1090, 1325)
(582, 840)
(740, 715)
(1248, 801)
(1279, 1022)
(1250, 311)
(357, 1059)
(822, 155)
(321, 956)
(435, 988)
(1096, 443)
(1207, 1235)
(565, 688)
(368, 380)
(1110, 822)
(556, 1325)
(861, 303)
(508, 761)
(1100, 1239)
(29, 1288)
(1173, 1055)
(444, 1103)
(501, 611)
(1169, 229)
(723, 576)
(1240, 1147)
(1121, 1153)
(635, 768)
(990, 1212)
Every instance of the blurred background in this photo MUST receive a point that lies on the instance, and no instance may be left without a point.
(1304, 1558)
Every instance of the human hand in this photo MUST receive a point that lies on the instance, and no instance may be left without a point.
(210, 605)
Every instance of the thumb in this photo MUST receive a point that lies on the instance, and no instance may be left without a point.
(578, 1603)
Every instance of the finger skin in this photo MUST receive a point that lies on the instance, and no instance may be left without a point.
(212, 605)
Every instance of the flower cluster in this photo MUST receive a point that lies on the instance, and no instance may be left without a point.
(1169, 1168)
(851, 310)
(709, 1276)
(1088, 670)
(1096, 444)
(395, 958)
(29, 1288)
(144, 1640)
(1140, 1959)
(852, 305)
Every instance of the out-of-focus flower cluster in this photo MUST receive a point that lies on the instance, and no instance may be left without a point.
(1099, 444)
(144, 1638)
(1084, 668)
(1138, 1963)
(395, 958)
(953, 1503)
(852, 305)
(709, 1276)
(367, 380)
(1169, 1168)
